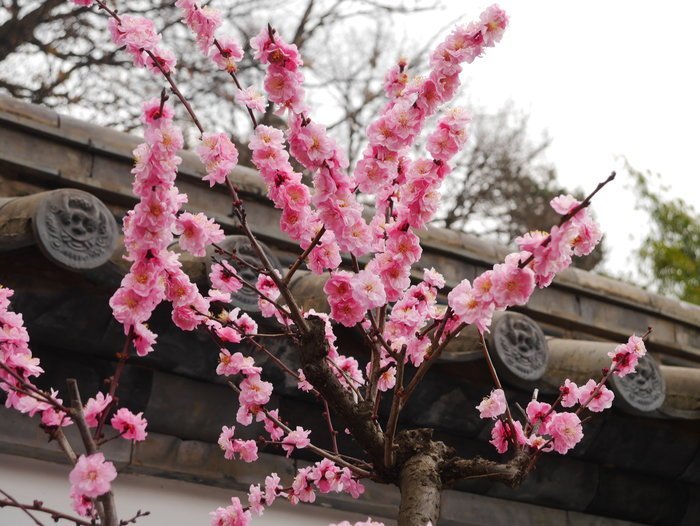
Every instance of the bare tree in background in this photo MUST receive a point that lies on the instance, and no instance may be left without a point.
(51, 54)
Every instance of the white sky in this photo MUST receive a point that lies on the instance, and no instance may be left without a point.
(605, 79)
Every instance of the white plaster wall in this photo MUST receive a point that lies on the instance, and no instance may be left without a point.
(171, 502)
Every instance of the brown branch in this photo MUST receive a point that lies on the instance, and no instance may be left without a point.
(356, 415)
(59, 436)
(37, 505)
(136, 517)
(114, 382)
(295, 311)
(583, 204)
(319, 451)
(396, 405)
(302, 257)
(510, 474)
(425, 366)
(12, 502)
(109, 517)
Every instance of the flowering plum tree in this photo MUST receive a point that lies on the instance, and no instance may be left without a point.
(403, 325)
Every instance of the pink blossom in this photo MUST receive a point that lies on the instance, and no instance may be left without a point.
(569, 393)
(160, 60)
(224, 277)
(179, 289)
(254, 391)
(595, 398)
(565, 430)
(272, 488)
(256, 499)
(231, 364)
(227, 54)
(494, 21)
(540, 415)
(539, 442)
(493, 405)
(130, 308)
(245, 323)
(143, 339)
(326, 475)
(433, 278)
(275, 431)
(387, 380)
(302, 490)
(155, 113)
(251, 98)
(512, 285)
(501, 435)
(136, 34)
(219, 296)
(196, 232)
(91, 476)
(367, 290)
(298, 438)
(246, 449)
(229, 334)
(131, 426)
(396, 79)
(469, 308)
(82, 504)
(219, 156)
(232, 515)
(303, 384)
(626, 356)
(94, 408)
(203, 21)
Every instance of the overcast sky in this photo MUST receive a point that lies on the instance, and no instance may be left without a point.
(605, 79)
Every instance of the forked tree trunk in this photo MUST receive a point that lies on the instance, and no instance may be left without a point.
(420, 485)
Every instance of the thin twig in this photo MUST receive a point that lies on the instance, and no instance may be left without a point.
(396, 405)
(23, 507)
(302, 257)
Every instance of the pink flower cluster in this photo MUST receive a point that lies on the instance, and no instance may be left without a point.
(311, 145)
(346, 368)
(493, 405)
(129, 425)
(416, 307)
(140, 39)
(552, 254)
(233, 515)
(203, 21)
(509, 284)
(219, 156)
(626, 356)
(324, 476)
(155, 272)
(247, 450)
(224, 51)
(91, 477)
(19, 366)
(412, 103)
(548, 429)
(196, 232)
(286, 190)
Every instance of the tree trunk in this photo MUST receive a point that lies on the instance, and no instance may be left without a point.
(419, 482)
